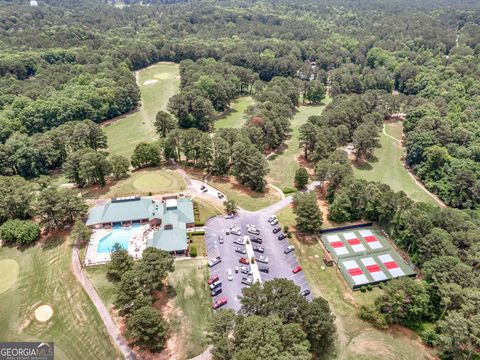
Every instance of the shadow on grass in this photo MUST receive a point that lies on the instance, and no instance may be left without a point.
(365, 165)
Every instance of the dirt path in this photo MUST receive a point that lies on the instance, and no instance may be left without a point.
(112, 329)
(418, 182)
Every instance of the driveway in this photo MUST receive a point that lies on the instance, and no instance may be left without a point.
(280, 265)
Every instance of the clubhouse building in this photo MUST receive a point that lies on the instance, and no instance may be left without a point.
(136, 223)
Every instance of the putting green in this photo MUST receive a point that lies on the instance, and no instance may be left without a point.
(156, 182)
(8, 274)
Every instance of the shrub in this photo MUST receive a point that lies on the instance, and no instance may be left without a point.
(382, 285)
(252, 260)
(193, 251)
(20, 231)
(198, 232)
(369, 287)
(370, 313)
(429, 336)
(363, 289)
(289, 190)
(289, 235)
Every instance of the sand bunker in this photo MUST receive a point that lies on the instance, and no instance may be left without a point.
(43, 313)
(150, 82)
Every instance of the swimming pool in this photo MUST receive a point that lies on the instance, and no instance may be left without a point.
(118, 235)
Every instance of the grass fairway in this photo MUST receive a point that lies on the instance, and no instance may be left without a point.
(45, 277)
(8, 274)
(191, 301)
(284, 164)
(206, 209)
(387, 167)
(143, 182)
(244, 197)
(233, 117)
(126, 132)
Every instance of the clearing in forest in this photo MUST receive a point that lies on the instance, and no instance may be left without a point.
(356, 338)
(45, 277)
(284, 162)
(387, 166)
(234, 117)
(125, 132)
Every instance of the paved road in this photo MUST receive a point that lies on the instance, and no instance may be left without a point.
(112, 329)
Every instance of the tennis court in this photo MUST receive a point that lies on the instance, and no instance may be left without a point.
(364, 255)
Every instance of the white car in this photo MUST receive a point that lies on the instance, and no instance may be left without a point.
(229, 216)
(229, 275)
(262, 259)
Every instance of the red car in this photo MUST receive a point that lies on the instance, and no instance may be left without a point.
(297, 269)
(213, 279)
(219, 302)
(243, 260)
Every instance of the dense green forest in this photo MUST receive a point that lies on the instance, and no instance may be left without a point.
(67, 66)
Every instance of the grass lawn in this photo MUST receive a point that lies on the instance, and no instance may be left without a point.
(45, 277)
(199, 242)
(189, 296)
(244, 197)
(206, 209)
(387, 167)
(126, 132)
(284, 163)
(143, 182)
(233, 117)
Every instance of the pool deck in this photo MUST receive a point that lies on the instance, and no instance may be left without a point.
(136, 244)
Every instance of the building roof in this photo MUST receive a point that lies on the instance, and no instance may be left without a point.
(121, 209)
(170, 238)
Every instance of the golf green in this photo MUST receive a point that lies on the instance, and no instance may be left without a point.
(8, 274)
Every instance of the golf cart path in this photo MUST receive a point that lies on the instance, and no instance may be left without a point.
(111, 327)
(418, 182)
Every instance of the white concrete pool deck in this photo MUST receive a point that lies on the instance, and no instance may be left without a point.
(136, 244)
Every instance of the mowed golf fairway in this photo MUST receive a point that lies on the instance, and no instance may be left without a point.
(284, 164)
(157, 83)
(234, 117)
(388, 167)
(45, 277)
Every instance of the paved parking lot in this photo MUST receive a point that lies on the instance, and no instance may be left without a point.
(279, 264)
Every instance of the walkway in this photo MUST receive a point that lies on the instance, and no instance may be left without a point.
(111, 327)
(409, 170)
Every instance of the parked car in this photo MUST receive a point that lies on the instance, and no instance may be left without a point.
(243, 260)
(216, 291)
(205, 189)
(236, 232)
(246, 270)
(247, 281)
(253, 230)
(256, 239)
(262, 259)
(274, 222)
(214, 261)
(289, 249)
(276, 230)
(215, 284)
(264, 269)
(219, 302)
(236, 269)
(213, 279)
(305, 292)
(297, 269)
(272, 218)
(239, 241)
(229, 216)
(229, 275)
(220, 195)
(259, 249)
(281, 236)
(202, 187)
(240, 250)
(220, 239)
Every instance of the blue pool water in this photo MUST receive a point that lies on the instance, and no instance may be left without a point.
(118, 235)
